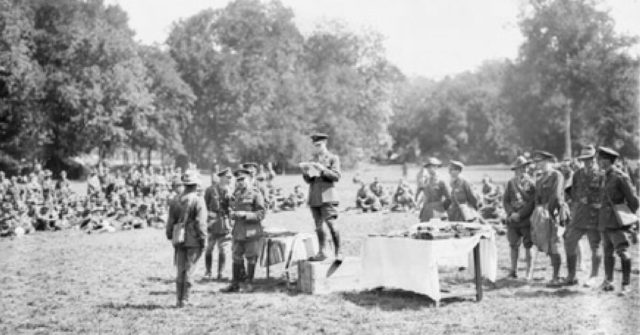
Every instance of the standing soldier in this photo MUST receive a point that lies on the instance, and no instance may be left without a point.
(217, 197)
(247, 212)
(617, 189)
(436, 193)
(585, 203)
(550, 211)
(188, 209)
(518, 204)
(322, 198)
(464, 203)
(258, 181)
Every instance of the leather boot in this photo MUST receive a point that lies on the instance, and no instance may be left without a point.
(222, 259)
(321, 245)
(626, 271)
(609, 263)
(208, 259)
(235, 279)
(251, 270)
(572, 261)
(178, 294)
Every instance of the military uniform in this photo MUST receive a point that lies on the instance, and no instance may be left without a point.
(437, 199)
(217, 200)
(192, 207)
(549, 199)
(379, 192)
(616, 189)
(248, 211)
(322, 197)
(585, 201)
(550, 211)
(519, 198)
(461, 195)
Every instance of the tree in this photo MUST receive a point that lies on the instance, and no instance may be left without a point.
(573, 68)
(162, 128)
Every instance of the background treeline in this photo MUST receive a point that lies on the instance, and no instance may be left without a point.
(243, 83)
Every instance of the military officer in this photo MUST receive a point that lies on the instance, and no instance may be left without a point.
(464, 203)
(616, 189)
(585, 203)
(247, 212)
(550, 211)
(188, 209)
(258, 180)
(217, 197)
(437, 197)
(518, 204)
(322, 198)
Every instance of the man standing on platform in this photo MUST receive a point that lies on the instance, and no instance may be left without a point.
(585, 203)
(321, 174)
(617, 189)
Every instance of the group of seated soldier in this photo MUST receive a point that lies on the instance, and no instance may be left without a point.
(374, 197)
(114, 200)
(280, 202)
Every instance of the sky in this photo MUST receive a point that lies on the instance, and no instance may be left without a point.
(431, 38)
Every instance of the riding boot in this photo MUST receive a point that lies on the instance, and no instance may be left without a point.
(251, 269)
(609, 263)
(572, 261)
(235, 278)
(222, 259)
(208, 259)
(178, 294)
(556, 262)
(321, 246)
(595, 264)
(626, 271)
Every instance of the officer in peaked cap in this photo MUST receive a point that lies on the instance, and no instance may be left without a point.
(586, 201)
(247, 212)
(616, 236)
(323, 200)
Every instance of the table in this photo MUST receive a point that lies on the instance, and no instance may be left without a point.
(297, 246)
(412, 264)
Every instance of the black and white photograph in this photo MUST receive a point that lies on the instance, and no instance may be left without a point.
(320, 167)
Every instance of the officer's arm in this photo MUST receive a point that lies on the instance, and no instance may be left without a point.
(307, 178)
(447, 194)
(471, 196)
(573, 193)
(506, 200)
(259, 211)
(557, 198)
(201, 220)
(528, 207)
(332, 172)
(629, 193)
(171, 220)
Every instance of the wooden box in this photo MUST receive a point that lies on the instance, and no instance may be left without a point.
(312, 276)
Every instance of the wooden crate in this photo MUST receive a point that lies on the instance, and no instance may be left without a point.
(312, 276)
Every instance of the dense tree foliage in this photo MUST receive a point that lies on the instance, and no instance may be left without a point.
(243, 83)
(574, 82)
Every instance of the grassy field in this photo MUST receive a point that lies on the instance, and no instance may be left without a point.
(69, 282)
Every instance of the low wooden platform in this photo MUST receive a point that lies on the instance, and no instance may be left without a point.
(312, 276)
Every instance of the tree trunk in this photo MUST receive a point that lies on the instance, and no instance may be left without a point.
(149, 156)
(567, 132)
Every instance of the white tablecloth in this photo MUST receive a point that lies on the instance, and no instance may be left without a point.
(412, 264)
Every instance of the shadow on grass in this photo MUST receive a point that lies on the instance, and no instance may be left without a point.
(561, 293)
(389, 300)
(161, 280)
(119, 307)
